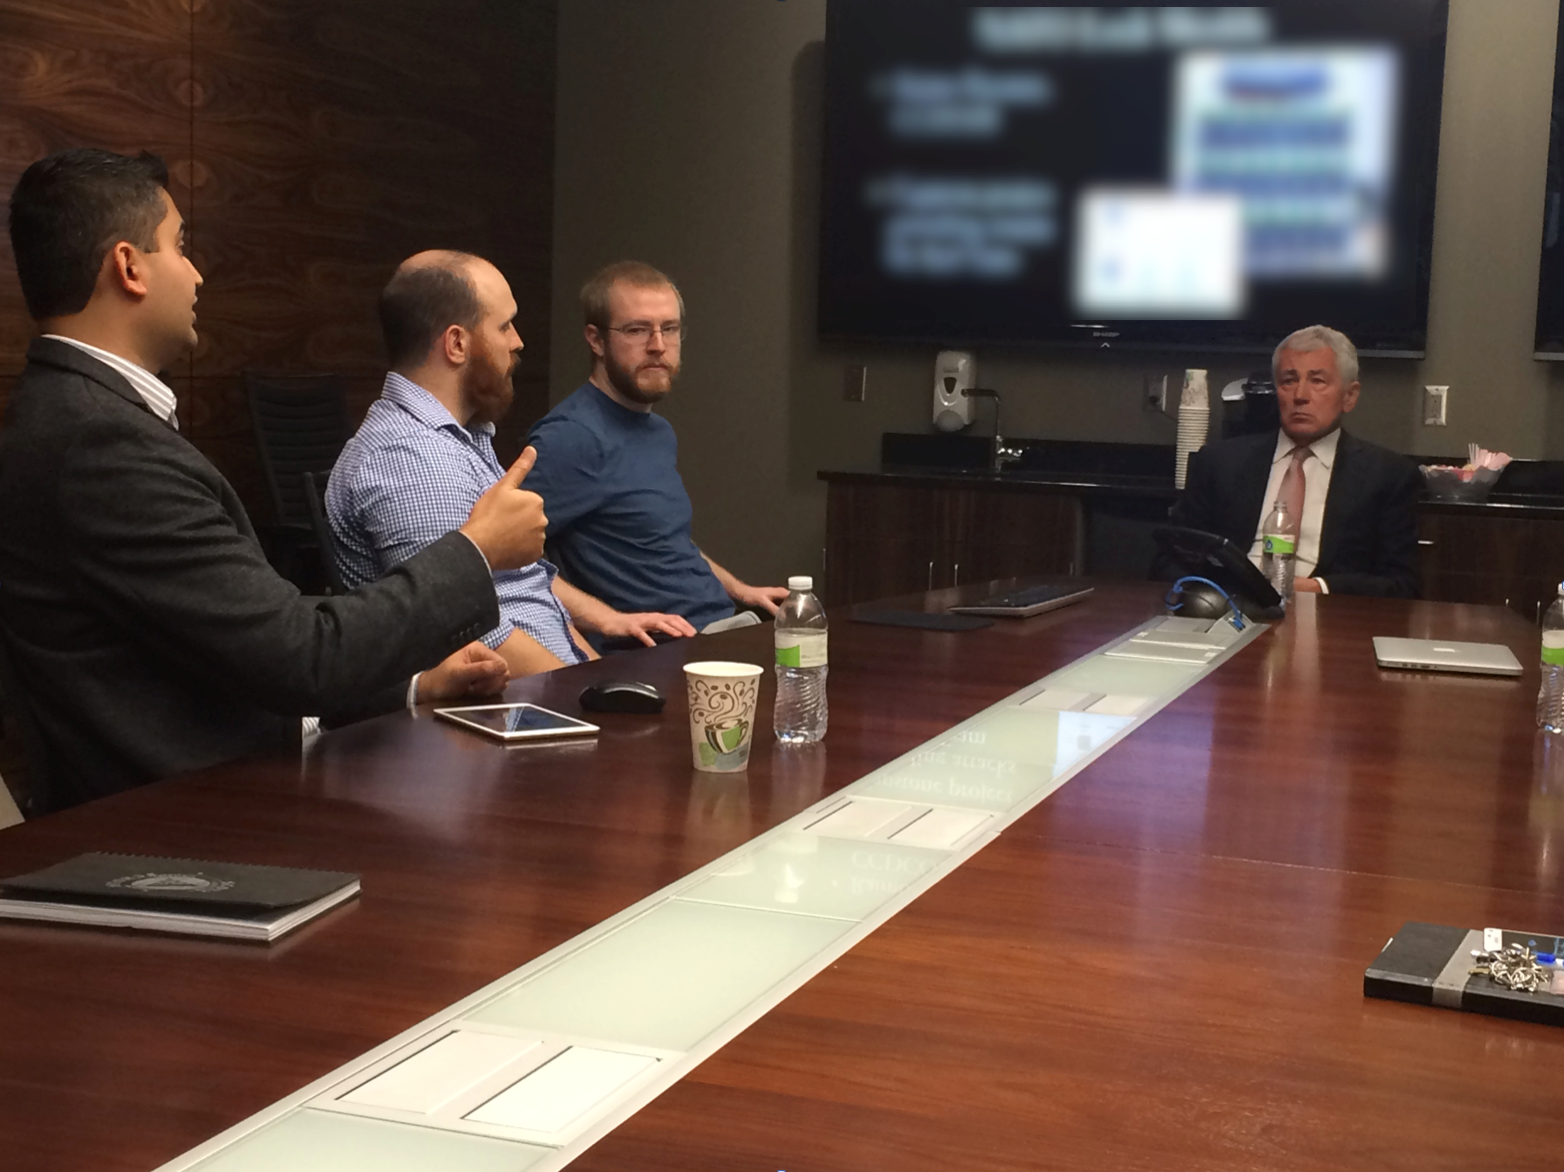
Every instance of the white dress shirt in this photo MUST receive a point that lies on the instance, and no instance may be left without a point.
(1316, 483)
(156, 393)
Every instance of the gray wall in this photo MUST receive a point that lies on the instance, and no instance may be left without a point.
(688, 136)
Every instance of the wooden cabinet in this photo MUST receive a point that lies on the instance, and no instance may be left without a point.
(887, 538)
(895, 534)
(1492, 555)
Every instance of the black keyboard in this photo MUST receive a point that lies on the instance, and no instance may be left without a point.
(1026, 601)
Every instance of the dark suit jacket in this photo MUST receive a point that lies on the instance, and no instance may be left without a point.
(142, 619)
(1369, 541)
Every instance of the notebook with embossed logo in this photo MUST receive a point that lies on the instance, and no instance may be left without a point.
(238, 900)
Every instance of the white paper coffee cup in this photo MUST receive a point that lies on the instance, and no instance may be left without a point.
(723, 697)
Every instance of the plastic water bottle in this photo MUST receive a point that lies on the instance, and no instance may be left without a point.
(1550, 698)
(801, 714)
(1279, 548)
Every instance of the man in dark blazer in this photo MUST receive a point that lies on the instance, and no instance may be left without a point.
(1359, 518)
(144, 627)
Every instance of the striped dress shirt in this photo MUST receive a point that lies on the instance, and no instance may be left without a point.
(153, 390)
(410, 476)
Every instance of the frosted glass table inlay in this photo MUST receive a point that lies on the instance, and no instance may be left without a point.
(531, 1070)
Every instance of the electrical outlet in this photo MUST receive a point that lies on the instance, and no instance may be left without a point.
(1156, 393)
(854, 383)
(1434, 401)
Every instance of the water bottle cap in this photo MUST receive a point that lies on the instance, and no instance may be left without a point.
(801, 582)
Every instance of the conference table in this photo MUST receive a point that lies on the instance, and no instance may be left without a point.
(1160, 966)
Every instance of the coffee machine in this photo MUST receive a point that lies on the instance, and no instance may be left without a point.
(1249, 406)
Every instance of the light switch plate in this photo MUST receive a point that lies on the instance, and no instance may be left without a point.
(855, 382)
(1156, 393)
(1434, 399)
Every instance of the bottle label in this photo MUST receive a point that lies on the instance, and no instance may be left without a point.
(1279, 544)
(801, 648)
(1553, 648)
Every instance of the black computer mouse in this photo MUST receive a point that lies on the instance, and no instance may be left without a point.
(622, 696)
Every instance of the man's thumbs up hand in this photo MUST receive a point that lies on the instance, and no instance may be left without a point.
(508, 523)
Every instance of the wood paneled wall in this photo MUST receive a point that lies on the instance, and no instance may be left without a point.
(312, 145)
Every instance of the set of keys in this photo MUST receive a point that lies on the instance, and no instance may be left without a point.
(1516, 967)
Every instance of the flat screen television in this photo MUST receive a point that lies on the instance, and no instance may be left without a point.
(1550, 278)
(1190, 176)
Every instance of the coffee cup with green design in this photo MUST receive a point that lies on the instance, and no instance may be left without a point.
(722, 713)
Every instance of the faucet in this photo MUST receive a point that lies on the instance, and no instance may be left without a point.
(1000, 454)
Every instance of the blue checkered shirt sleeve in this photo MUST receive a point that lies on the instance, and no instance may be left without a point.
(408, 494)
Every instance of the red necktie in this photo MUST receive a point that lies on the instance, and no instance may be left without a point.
(1293, 485)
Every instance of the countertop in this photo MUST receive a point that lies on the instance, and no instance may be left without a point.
(1527, 489)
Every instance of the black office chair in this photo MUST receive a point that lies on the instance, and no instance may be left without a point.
(300, 426)
(314, 497)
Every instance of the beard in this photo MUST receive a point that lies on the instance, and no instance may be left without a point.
(640, 384)
(486, 382)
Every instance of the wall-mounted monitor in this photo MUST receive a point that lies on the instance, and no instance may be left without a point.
(1190, 176)
(1550, 279)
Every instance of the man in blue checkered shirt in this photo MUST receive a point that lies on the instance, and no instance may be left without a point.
(425, 453)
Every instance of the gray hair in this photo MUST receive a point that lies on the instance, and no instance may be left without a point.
(1315, 338)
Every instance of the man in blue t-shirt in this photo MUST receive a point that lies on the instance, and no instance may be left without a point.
(427, 446)
(619, 517)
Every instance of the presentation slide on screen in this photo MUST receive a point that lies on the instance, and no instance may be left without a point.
(1129, 162)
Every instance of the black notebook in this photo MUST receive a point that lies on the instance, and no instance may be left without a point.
(234, 900)
(1430, 964)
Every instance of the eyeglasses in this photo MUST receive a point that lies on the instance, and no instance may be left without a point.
(641, 332)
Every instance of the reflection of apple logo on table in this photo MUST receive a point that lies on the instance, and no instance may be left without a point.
(727, 743)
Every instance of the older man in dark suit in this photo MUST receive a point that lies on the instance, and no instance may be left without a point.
(1358, 532)
(146, 630)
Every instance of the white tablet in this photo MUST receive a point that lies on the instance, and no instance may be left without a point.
(517, 722)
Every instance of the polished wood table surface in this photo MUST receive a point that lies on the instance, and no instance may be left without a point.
(1160, 967)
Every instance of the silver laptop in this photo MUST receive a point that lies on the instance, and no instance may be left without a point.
(1484, 659)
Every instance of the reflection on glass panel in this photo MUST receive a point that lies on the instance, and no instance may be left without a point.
(1131, 677)
(817, 876)
(667, 979)
(998, 762)
(319, 1141)
(1082, 734)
